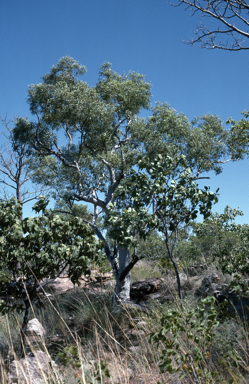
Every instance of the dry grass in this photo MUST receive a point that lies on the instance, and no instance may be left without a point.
(113, 342)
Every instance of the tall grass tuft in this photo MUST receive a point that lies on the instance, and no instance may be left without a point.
(91, 344)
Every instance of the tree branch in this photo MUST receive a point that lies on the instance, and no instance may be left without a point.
(224, 12)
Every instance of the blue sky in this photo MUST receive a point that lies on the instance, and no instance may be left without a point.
(139, 35)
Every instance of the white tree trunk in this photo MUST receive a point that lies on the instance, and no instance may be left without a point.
(122, 288)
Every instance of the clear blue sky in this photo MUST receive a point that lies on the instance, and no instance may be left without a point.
(139, 35)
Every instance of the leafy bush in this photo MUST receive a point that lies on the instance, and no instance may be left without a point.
(37, 249)
(188, 339)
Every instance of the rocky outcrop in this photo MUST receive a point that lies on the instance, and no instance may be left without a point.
(142, 288)
(208, 285)
(36, 366)
(237, 306)
(33, 369)
(183, 280)
(35, 329)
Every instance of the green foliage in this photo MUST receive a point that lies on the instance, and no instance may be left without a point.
(67, 209)
(104, 142)
(42, 247)
(161, 195)
(104, 134)
(188, 340)
(166, 184)
(239, 136)
(101, 369)
(152, 247)
(203, 141)
(209, 238)
(70, 355)
(92, 118)
(235, 259)
(220, 240)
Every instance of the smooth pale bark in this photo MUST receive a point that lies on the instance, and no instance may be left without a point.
(122, 288)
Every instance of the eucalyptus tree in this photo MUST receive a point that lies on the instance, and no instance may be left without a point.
(101, 138)
(97, 123)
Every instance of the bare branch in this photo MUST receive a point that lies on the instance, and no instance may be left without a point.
(9, 185)
(232, 17)
(93, 200)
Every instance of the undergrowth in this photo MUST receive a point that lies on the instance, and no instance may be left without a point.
(92, 344)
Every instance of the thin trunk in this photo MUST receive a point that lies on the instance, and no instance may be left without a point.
(170, 253)
(19, 198)
(19, 195)
(27, 303)
(177, 277)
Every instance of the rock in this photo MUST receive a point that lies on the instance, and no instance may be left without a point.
(195, 282)
(134, 305)
(35, 334)
(237, 306)
(212, 289)
(183, 280)
(35, 328)
(136, 319)
(55, 340)
(138, 324)
(208, 285)
(156, 296)
(108, 283)
(44, 298)
(33, 369)
(166, 299)
(134, 332)
(141, 288)
(61, 285)
(214, 278)
(141, 324)
(135, 349)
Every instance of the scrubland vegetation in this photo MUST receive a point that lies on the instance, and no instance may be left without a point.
(140, 175)
(92, 344)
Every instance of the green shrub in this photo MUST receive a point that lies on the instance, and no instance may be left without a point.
(188, 339)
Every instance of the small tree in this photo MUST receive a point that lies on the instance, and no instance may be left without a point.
(163, 194)
(15, 168)
(45, 246)
(209, 238)
(232, 244)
